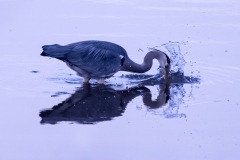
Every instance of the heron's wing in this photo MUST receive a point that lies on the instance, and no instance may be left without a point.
(98, 59)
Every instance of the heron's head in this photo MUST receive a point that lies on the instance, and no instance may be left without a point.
(164, 62)
(167, 66)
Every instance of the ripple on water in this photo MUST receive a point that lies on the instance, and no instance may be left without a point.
(215, 74)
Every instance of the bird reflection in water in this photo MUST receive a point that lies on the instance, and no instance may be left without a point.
(92, 104)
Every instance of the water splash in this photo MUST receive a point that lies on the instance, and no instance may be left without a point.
(177, 60)
(177, 93)
(177, 63)
(171, 109)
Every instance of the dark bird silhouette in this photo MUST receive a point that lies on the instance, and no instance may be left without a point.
(100, 60)
(90, 104)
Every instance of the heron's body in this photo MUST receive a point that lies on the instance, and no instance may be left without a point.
(95, 59)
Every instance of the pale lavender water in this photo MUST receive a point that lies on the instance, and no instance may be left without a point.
(149, 120)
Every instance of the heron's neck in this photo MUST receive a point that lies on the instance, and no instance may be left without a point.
(131, 66)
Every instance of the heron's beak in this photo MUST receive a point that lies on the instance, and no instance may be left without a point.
(167, 74)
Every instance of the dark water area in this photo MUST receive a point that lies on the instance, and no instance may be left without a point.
(47, 113)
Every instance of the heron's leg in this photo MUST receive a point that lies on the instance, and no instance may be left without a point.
(86, 79)
(101, 80)
(80, 72)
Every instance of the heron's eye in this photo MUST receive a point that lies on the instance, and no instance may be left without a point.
(122, 61)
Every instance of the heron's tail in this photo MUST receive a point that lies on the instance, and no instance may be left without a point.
(55, 51)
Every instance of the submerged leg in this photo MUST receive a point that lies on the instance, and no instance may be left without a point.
(100, 80)
(86, 79)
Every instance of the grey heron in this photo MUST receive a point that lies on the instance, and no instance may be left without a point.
(100, 59)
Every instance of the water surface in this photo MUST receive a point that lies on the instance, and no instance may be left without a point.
(48, 114)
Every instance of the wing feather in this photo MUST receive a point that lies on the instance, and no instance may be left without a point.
(98, 58)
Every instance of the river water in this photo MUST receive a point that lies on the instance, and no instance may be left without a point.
(48, 114)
